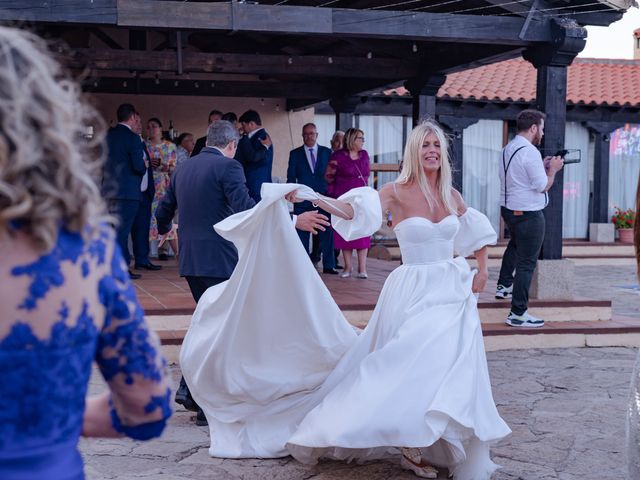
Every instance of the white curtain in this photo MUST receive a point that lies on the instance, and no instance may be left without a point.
(482, 144)
(326, 124)
(383, 142)
(575, 212)
(624, 167)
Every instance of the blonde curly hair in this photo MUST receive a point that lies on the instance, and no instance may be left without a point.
(48, 169)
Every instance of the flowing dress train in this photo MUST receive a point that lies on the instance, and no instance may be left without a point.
(278, 370)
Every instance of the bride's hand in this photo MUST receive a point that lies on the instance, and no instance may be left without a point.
(292, 197)
(479, 282)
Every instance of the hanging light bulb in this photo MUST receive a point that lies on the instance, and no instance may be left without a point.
(197, 85)
(277, 107)
(213, 84)
(414, 48)
(124, 84)
(290, 60)
(369, 55)
(157, 80)
(330, 59)
(175, 84)
(262, 102)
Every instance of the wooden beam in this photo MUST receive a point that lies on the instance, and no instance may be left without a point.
(195, 62)
(295, 20)
(73, 11)
(216, 88)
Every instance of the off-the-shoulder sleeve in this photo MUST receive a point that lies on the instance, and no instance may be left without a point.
(130, 359)
(475, 232)
(367, 216)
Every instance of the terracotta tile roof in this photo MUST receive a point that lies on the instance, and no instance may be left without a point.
(590, 81)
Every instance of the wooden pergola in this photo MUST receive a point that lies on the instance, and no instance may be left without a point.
(310, 51)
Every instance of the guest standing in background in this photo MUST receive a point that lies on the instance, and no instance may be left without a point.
(337, 140)
(122, 176)
(255, 153)
(347, 169)
(142, 222)
(232, 118)
(185, 144)
(214, 115)
(307, 165)
(164, 158)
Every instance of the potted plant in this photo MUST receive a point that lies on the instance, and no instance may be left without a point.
(623, 220)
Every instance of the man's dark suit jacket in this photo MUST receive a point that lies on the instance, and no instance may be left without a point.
(150, 192)
(205, 189)
(200, 144)
(299, 171)
(124, 168)
(256, 160)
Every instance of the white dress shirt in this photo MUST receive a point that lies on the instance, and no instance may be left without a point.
(526, 177)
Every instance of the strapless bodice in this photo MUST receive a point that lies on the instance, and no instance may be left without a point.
(423, 241)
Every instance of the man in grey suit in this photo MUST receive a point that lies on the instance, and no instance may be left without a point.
(206, 189)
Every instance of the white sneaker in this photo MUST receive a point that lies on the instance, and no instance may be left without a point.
(524, 320)
(504, 292)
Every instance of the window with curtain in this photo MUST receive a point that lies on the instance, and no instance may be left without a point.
(384, 144)
(624, 167)
(326, 125)
(482, 144)
(575, 192)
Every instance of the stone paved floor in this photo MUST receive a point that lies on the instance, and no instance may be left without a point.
(566, 408)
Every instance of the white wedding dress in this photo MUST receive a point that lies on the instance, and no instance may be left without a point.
(278, 370)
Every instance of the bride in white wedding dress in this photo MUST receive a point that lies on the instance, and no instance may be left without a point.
(278, 370)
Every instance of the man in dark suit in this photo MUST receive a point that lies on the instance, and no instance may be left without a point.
(205, 190)
(255, 153)
(122, 175)
(142, 222)
(306, 166)
(214, 116)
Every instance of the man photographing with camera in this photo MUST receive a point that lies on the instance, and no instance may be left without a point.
(525, 178)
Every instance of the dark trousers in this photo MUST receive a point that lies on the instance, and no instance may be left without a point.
(125, 211)
(197, 285)
(322, 242)
(526, 235)
(140, 232)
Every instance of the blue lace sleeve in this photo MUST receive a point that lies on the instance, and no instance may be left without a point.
(129, 357)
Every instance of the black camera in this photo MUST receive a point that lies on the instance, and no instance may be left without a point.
(575, 155)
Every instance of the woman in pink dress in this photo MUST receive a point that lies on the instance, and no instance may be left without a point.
(349, 168)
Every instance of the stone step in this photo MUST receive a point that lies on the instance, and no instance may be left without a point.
(618, 332)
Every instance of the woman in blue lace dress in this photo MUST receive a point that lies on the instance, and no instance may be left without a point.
(65, 295)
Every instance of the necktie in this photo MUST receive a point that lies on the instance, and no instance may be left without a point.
(313, 160)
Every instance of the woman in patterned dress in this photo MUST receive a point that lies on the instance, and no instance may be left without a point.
(164, 158)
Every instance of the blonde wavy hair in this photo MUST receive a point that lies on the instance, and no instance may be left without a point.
(412, 170)
(47, 166)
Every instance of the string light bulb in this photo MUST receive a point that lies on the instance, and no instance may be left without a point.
(369, 55)
(414, 48)
(277, 107)
(175, 84)
(197, 85)
(330, 59)
(290, 60)
(157, 80)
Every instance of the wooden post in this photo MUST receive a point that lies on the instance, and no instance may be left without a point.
(344, 108)
(602, 132)
(455, 128)
(551, 61)
(423, 91)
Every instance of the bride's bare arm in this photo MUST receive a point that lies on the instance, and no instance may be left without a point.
(333, 206)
